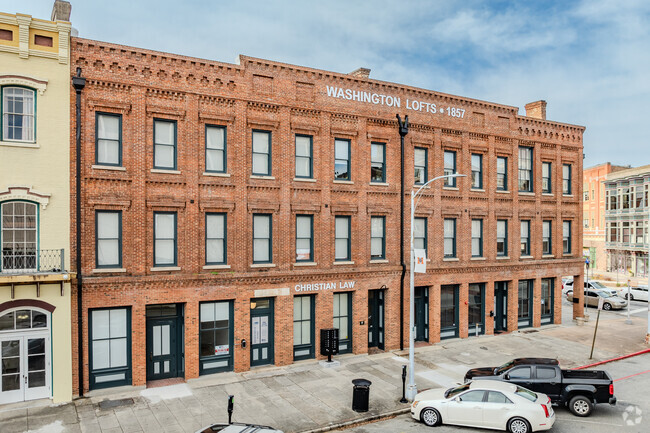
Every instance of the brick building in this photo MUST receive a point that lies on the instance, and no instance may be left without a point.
(593, 209)
(231, 211)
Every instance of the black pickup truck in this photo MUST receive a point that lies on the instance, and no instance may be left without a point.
(580, 390)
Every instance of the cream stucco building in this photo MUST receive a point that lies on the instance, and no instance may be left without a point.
(35, 298)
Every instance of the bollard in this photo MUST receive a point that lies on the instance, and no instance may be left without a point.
(476, 330)
(403, 400)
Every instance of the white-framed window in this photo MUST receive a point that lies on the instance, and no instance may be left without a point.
(18, 111)
(19, 224)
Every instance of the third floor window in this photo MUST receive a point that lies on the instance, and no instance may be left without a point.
(215, 149)
(164, 144)
(342, 160)
(261, 153)
(477, 171)
(525, 169)
(449, 167)
(546, 177)
(108, 139)
(378, 162)
(566, 179)
(304, 156)
(420, 165)
(502, 173)
(18, 112)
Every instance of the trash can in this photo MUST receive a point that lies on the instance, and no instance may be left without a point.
(360, 395)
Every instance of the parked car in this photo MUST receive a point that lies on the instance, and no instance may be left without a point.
(238, 428)
(577, 389)
(639, 293)
(567, 284)
(485, 403)
(597, 285)
(592, 297)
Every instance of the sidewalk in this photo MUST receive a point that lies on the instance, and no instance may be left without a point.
(306, 396)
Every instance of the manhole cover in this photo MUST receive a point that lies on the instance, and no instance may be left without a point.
(112, 404)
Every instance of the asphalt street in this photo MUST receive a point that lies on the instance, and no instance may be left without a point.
(630, 415)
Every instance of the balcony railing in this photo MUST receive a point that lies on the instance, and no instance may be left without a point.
(32, 261)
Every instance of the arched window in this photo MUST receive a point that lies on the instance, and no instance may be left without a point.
(18, 235)
(23, 319)
(18, 109)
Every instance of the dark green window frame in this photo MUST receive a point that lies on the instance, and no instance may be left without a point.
(449, 236)
(424, 168)
(477, 171)
(525, 304)
(223, 151)
(547, 238)
(347, 317)
(119, 239)
(156, 239)
(309, 157)
(268, 154)
(108, 372)
(378, 166)
(348, 239)
(449, 167)
(478, 237)
(306, 350)
(526, 162)
(476, 300)
(502, 174)
(2, 113)
(548, 301)
(566, 237)
(207, 364)
(341, 161)
(174, 145)
(502, 239)
(525, 237)
(547, 179)
(119, 140)
(424, 239)
(382, 238)
(566, 179)
(223, 240)
(269, 217)
(311, 238)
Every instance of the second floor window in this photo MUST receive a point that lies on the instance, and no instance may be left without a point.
(18, 109)
(420, 165)
(262, 153)
(420, 234)
(449, 237)
(304, 238)
(164, 144)
(477, 238)
(378, 162)
(165, 242)
(304, 158)
(377, 237)
(546, 177)
(262, 229)
(525, 169)
(215, 239)
(502, 238)
(109, 239)
(566, 237)
(502, 173)
(108, 139)
(566, 179)
(215, 149)
(342, 160)
(449, 167)
(18, 221)
(547, 240)
(525, 238)
(342, 238)
(477, 171)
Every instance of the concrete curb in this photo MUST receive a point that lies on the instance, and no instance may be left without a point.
(355, 422)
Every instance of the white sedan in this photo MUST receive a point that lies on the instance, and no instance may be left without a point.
(489, 404)
(639, 293)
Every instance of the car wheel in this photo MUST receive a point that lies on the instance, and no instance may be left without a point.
(430, 417)
(607, 306)
(631, 297)
(518, 425)
(580, 406)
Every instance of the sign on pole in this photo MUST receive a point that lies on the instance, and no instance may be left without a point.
(601, 301)
(420, 256)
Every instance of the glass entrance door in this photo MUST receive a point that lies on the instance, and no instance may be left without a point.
(25, 371)
(343, 320)
(475, 309)
(500, 306)
(449, 311)
(161, 347)
(262, 332)
(421, 319)
(376, 319)
(525, 307)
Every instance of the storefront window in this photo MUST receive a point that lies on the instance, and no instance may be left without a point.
(216, 337)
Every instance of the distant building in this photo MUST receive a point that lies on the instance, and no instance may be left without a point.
(593, 206)
(626, 216)
(35, 297)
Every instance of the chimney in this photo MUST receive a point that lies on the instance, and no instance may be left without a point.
(536, 110)
(61, 11)
(360, 73)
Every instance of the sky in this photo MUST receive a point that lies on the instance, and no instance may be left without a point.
(590, 60)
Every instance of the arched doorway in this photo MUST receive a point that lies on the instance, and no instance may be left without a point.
(25, 354)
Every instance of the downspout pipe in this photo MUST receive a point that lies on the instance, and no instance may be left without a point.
(79, 82)
(403, 128)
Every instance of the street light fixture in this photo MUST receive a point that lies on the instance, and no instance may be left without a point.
(412, 390)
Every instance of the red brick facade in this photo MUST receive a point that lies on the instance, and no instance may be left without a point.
(257, 94)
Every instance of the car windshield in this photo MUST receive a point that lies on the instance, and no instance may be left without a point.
(526, 393)
(505, 366)
(598, 285)
(451, 392)
(604, 294)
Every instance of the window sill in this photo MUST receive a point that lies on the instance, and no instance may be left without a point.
(567, 255)
(108, 167)
(165, 268)
(526, 193)
(379, 183)
(548, 194)
(164, 171)
(477, 189)
(451, 259)
(261, 176)
(208, 173)
(501, 191)
(304, 179)
(503, 257)
(567, 195)
(478, 258)
(450, 188)
(348, 182)
(20, 144)
(420, 185)
(108, 270)
(263, 265)
(347, 262)
(216, 267)
(305, 264)
(526, 257)
(379, 261)
(548, 256)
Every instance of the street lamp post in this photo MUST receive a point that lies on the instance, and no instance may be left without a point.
(412, 390)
